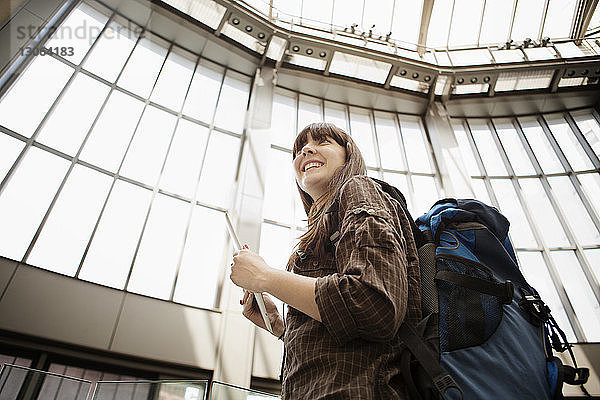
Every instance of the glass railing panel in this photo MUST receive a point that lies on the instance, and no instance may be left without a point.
(222, 391)
(30, 384)
(143, 390)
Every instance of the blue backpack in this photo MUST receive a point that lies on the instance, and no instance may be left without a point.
(486, 333)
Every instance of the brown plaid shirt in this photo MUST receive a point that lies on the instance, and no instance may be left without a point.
(364, 292)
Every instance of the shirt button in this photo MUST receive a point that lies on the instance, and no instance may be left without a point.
(315, 263)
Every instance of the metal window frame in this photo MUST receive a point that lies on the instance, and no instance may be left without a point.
(29, 142)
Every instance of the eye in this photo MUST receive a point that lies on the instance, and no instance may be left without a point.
(325, 140)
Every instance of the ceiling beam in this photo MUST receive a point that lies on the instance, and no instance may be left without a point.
(582, 18)
(425, 19)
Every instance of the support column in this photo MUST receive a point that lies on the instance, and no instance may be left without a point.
(235, 352)
(453, 173)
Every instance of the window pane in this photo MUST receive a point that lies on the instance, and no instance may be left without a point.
(465, 23)
(143, 66)
(568, 143)
(514, 148)
(336, 114)
(520, 232)
(204, 258)
(67, 231)
(389, 142)
(403, 26)
(496, 22)
(439, 23)
(180, 174)
(528, 18)
(157, 258)
(541, 147)
(73, 116)
(109, 139)
(559, 18)
(425, 194)
(579, 292)
(146, 153)
(233, 102)
(218, 172)
(112, 49)
(589, 128)
(10, 148)
(535, 271)
(377, 13)
(26, 198)
(111, 252)
(22, 112)
(465, 149)
(174, 79)
(576, 214)
(346, 12)
(593, 257)
(480, 191)
(487, 148)
(276, 246)
(283, 120)
(543, 213)
(414, 144)
(79, 31)
(401, 183)
(309, 111)
(204, 91)
(591, 186)
(360, 126)
(278, 202)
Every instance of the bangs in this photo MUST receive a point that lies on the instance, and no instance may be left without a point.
(319, 131)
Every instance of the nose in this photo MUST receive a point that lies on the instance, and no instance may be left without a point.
(307, 149)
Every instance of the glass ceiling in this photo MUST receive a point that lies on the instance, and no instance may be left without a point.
(453, 23)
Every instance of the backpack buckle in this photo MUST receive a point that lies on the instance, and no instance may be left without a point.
(536, 306)
(445, 382)
(510, 292)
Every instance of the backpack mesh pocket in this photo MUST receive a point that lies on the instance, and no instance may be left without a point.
(466, 317)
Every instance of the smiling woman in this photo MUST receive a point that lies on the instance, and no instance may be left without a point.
(348, 291)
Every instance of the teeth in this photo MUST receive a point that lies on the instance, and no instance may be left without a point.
(312, 164)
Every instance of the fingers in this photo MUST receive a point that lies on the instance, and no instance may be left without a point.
(245, 297)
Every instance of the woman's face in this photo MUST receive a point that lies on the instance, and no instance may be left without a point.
(316, 163)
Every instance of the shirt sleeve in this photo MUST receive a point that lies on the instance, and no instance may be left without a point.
(367, 297)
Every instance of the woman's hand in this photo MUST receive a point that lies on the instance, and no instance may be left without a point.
(249, 271)
(252, 312)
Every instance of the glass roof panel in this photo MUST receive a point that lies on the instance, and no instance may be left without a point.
(559, 18)
(439, 23)
(496, 22)
(259, 5)
(528, 18)
(317, 10)
(347, 12)
(406, 21)
(379, 13)
(289, 9)
(465, 23)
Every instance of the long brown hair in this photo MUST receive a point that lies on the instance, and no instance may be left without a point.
(316, 236)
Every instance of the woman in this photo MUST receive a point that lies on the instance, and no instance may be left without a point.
(347, 292)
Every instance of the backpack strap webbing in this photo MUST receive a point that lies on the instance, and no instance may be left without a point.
(503, 291)
(441, 380)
